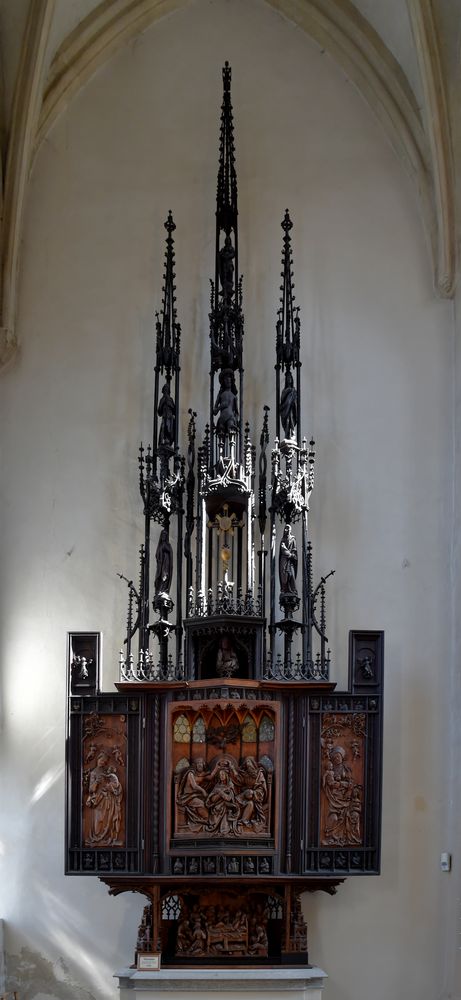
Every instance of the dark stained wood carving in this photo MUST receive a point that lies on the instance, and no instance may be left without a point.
(342, 779)
(104, 780)
(226, 775)
(210, 924)
(220, 926)
(226, 793)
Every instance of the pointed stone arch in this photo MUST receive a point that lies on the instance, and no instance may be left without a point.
(335, 25)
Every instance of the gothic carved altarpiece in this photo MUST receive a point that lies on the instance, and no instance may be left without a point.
(225, 775)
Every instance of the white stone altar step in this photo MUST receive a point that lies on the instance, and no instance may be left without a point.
(301, 983)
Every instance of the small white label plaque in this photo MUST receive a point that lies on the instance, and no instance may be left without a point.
(149, 961)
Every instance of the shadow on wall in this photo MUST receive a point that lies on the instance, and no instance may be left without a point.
(34, 977)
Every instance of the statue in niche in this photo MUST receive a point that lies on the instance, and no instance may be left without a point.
(226, 404)
(344, 800)
(288, 562)
(192, 796)
(227, 662)
(167, 412)
(226, 270)
(105, 800)
(164, 561)
(289, 406)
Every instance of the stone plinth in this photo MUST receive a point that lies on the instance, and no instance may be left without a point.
(240, 984)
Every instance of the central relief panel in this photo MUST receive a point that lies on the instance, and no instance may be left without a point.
(224, 764)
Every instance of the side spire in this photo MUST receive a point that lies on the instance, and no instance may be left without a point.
(168, 340)
(167, 328)
(287, 346)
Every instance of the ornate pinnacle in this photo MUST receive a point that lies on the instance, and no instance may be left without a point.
(168, 329)
(226, 208)
(226, 320)
(287, 345)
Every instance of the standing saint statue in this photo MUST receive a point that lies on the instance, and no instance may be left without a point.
(164, 560)
(226, 404)
(288, 562)
(167, 411)
(289, 406)
(226, 269)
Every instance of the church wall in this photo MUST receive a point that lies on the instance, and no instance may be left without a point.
(377, 368)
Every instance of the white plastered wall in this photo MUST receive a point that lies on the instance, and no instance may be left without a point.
(378, 398)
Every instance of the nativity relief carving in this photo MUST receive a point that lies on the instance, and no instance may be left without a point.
(342, 780)
(104, 781)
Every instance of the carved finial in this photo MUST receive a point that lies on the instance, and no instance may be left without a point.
(170, 225)
(287, 223)
(168, 329)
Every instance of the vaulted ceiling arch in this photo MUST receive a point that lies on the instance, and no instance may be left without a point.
(422, 144)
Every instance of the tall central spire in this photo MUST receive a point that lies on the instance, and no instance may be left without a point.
(226, 318)
(226, 210)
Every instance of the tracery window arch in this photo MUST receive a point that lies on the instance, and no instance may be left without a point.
(198, 731)
(181, 732)
(266, 730)
(171, 908)
(248, 730)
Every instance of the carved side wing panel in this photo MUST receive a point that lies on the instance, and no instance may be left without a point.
(104, 758)
(345, 753)
(343, 750)
(103, 781)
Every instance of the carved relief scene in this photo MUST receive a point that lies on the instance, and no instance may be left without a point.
(104, 780)
(213, 924)
(343, 740)
(223, 771)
